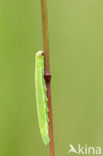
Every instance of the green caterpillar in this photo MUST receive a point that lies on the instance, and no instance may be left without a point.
(41, 97)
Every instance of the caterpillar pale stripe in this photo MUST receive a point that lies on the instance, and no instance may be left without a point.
(41, 97)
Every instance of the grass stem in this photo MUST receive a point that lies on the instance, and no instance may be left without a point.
(47, 74)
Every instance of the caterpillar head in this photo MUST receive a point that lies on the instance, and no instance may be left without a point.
(40, 54)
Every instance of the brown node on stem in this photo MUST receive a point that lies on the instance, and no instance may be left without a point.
(47, 76)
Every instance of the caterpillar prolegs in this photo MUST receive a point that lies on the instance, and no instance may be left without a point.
(41, 97)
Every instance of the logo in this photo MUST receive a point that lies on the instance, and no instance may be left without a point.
(90, 150)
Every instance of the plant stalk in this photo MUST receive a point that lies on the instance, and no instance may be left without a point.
(47, 74)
